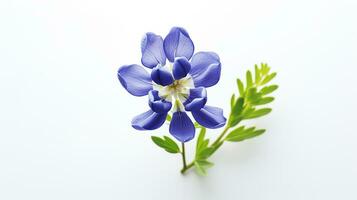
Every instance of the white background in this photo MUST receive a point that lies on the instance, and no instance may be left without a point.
(65, 120)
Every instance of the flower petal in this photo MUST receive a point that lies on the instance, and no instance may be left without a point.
(210, 117)
(205, 69)
(157, 104)
(148, 120)
(135, 79)
(177, 44)
(181, 67)
(152, 49)
(181, 127)
(162, 76)
(196, 99)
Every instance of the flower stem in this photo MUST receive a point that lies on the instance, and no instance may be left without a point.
(183, 156)
(183, 170)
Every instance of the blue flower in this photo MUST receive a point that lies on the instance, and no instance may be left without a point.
(177, 84)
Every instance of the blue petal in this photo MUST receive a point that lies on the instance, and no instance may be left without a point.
(210, 117)
(157, 104)
(152, 49)
(205, 69)
(181, 127)
(181, 67)
(161, 76)
(148, 120)
(177, 44)
(135, 79)
(196, 99)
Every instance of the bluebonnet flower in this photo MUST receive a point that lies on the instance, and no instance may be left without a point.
(177, 85)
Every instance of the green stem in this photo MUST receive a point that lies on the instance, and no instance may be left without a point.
(221, 136)
(191, 164)
(183, 156)
(185, 166)
(183, 170)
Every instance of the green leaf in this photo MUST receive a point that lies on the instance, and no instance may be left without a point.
(240, 87)
(268, 78)
(258, 113)
(201, 166)
(256, 133)
(200, 169)
(201, 150)
(268, 89)
(205, 153)
(167, 144)
(238, 106)
(253, 95)
(172, 144)
(257, 73)
(264, 69)
(233, 100)
(201, 147)
(264, 100)
(234, 120)
(205, 163)
(241, 134)
(204, 144)
(234, 133)
(249, 130)
(247, 111)
(201, 137)
(249, 79)
(236, 112)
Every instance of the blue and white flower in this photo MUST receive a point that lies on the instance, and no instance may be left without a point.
(177, 84)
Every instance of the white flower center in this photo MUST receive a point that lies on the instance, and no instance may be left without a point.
(178, 90)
